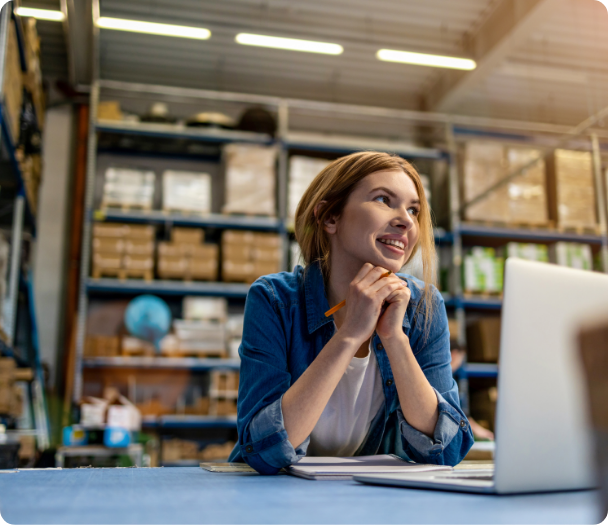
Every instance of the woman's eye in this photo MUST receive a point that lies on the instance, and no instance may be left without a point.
(382, 198)
(414, 211)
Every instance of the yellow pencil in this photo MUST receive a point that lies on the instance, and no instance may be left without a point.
(340, 305)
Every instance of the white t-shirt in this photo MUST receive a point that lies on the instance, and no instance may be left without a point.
(350, 410)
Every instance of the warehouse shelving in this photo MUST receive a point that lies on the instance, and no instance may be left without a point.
(288, 140)
(26, 351)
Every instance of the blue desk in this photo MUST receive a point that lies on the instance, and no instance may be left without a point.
(192, 495)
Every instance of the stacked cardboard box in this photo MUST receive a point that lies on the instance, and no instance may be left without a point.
(528, 251)
(248, 255)
(13, 83)
(11, 398)
(202, 332)
(483, 340)
(175, 450)
(187, 257)
(573, 255)
(302, 171)
(522, 200)
(483, 271)
(250, 179)
(186, 191)
(571, 187)
(123, 250)
(128, 188)
(223, 392)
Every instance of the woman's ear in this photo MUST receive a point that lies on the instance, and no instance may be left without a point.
(330, 224)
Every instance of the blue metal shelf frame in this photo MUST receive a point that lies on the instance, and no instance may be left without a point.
(163, 363)
(479, 370)
(189, 422)
(12, 157)
(134, 286)
(515, 234)
(237, 222)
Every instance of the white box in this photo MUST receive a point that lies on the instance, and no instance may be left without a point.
(128, 187)
(302, 171)
(187, 191)
(204, 308)
(124, 415)
(93, 412)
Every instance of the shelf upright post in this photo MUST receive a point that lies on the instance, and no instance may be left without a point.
(600, 200)
(86, 245)
(283, 126)
(10, 313)
(456, 283)
(5, 18)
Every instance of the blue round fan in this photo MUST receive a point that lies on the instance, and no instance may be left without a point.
(148, 317)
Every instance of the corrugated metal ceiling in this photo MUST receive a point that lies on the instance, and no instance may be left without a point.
(557, 74)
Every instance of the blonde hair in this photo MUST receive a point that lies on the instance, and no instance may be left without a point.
(334, 184)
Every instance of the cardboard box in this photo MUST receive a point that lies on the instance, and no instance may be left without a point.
(173, 267)
(483, 340)
(170, 250)
(139, 232)
(109, 229)
(101, 346)
(237, 271)
(126, 187)
(528, 251)
(204, 308)
(571, 189)
(138, 262)
(139, 247)
(134, 346)
(204, 270)
(187, 235)
(572, 255)
(123, 414)
(102, 261)
(264, 268)
(273, 255)
(93, 412)
(109, 245)
(266, 240)
(483, 271)
(206, 252)
(302, 171)
(13, 85)
(483, 406)
(238, 237)
(187, 191)
(237, 252)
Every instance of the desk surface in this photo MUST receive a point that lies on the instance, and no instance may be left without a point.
(192, 495)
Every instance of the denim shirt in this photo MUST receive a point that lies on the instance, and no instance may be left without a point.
(285, 329)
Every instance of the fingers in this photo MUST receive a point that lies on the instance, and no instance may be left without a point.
(372, 274)
(392, 290)
(365, 269)
(389, 279)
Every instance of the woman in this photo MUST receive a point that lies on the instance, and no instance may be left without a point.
(375, 377)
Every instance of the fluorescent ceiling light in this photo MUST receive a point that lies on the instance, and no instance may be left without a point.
(137, 26)
(40, 14)
(422, 59)
(538, 72)
(292, 44)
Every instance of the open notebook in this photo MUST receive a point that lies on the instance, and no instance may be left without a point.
(329, 468)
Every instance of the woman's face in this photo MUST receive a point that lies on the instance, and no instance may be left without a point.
(379, 223)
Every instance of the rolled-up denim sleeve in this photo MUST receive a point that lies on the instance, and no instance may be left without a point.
(264, 379)
(452, 437)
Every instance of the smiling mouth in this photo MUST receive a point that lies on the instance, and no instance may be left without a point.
(394, 245)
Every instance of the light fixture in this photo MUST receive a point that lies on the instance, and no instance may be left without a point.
(137, 26)
(40, 14)
(422, 59)
(291, 44)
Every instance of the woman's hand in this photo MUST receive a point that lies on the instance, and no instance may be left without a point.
(390, 324)
(367, 293)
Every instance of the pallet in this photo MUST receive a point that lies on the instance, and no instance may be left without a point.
(123, 274)
(482, 295)
(185, 213)
(221, 354)
(186, 278)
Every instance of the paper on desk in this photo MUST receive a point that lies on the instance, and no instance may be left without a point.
(344, 468)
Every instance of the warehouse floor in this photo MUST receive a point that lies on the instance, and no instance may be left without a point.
(192, 495)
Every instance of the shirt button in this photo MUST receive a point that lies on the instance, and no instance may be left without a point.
(389, 382)
(462, 423)
(249, 449)
(379, 346)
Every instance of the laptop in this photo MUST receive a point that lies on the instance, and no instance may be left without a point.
(543, 440)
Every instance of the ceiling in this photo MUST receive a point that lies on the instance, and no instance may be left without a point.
(538, 60)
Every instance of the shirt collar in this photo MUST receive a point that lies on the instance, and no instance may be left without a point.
(316, 300)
